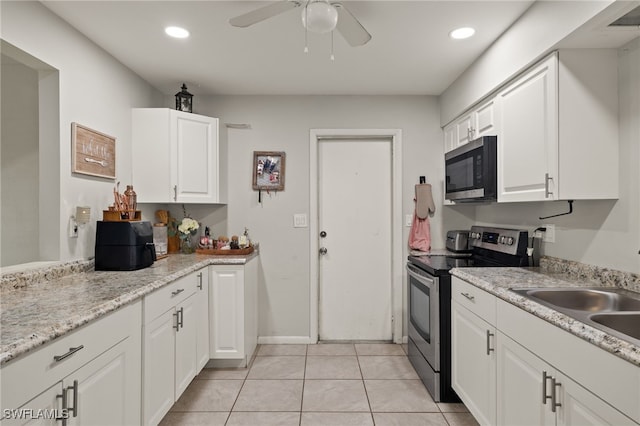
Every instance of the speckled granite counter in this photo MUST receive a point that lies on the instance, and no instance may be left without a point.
(41, 305)
(498, 281)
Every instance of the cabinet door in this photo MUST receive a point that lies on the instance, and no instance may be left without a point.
(105, 389)
(528, 147)
(158, 367)
(226, 302)
(202, 320)
(40, 411)
(450, 138)
(473, 360)
(520, 386)
(485, 120)
(579, 407)
(185, 345)
(464, 129)
(195, 155)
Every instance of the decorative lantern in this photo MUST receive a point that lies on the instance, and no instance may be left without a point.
(184, 100)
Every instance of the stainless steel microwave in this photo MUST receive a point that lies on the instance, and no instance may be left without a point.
(471, 171)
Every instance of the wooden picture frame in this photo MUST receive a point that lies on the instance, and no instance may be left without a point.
(268, 170)
(92, 153)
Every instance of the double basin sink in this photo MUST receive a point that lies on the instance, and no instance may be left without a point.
(615, 311)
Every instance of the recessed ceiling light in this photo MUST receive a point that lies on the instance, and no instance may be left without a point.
(462, 33)
(176, 32)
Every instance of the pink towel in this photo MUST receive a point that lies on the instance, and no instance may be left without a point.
(420, 234)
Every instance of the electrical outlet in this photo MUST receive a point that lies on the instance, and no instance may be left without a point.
(408, 218)
(549, 236)
(73, 227)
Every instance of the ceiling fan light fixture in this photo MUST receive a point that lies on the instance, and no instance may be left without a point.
(320, 17)
(462, 33)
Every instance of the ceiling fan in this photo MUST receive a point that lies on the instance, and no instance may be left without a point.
(318, 16)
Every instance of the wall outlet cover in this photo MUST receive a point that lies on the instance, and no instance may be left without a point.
(408, 218)
(300, 220)
(549, 236)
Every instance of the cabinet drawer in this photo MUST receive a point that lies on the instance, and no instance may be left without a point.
(26, 377)
(163, 299)
(476, 300)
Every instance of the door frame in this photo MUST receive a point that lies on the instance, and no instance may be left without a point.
(395, 138)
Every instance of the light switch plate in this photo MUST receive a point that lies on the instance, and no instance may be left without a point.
(300, 220)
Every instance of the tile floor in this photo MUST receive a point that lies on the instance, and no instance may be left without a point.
(325, 384)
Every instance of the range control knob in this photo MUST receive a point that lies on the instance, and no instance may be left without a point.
(501, 239)
(510, 241)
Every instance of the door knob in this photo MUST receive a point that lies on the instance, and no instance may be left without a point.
(323, 250)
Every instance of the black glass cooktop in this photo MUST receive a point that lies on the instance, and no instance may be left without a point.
(439, 265)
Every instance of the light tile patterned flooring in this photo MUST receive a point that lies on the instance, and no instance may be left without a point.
(312, 385)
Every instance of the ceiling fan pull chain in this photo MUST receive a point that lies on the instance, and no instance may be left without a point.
(306, 31)
(333, 58)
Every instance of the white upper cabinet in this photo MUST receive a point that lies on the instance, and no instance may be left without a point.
(175, 157)
(528, 142)
(480, 121)
(559, 129)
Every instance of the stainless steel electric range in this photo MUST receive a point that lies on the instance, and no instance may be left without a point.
(430, 301)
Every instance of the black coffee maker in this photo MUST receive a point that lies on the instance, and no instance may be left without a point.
(124, 246)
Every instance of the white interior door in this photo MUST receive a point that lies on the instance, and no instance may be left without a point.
(354, 210)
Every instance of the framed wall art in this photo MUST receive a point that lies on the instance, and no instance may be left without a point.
(93, 153)
(268, 170)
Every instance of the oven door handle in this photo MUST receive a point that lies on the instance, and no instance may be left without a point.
(426, 281)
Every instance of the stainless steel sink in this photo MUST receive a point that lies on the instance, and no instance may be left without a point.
(585, 299)
(612, 310)
(627, 323)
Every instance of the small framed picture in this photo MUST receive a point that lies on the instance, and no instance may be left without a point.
(93, 153)
(268, 170)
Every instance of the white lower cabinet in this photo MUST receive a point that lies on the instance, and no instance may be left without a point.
(473, 375)
(233, 309)
(532, 392)
(202, 318)
(91, 377)
(512, 368)
(170, 351)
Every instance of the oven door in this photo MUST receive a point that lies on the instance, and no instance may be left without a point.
(424, 314)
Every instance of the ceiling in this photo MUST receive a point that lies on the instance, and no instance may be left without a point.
(410, 52)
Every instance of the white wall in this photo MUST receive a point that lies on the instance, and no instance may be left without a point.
(95, 90)
(20, 229)
(282, 123)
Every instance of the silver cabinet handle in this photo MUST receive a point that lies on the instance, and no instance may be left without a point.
(554, 395)
(200, 280)
(489, 348)
(175, 192)
(74, 388)
(72, 351)
(547, 178)
(181, 317)
(177, 292)
(176, 314)
(468, 296)
(64, 407)
(545, 377)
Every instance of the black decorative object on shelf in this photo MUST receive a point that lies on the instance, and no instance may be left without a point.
(184, 100)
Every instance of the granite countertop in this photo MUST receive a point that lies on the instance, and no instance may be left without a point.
(498, 281)
(39, 306)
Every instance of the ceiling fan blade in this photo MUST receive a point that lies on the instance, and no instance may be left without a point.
(263, 13)
(350, 28)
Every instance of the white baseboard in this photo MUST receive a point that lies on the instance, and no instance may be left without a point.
(405, 339)
(285, 340)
